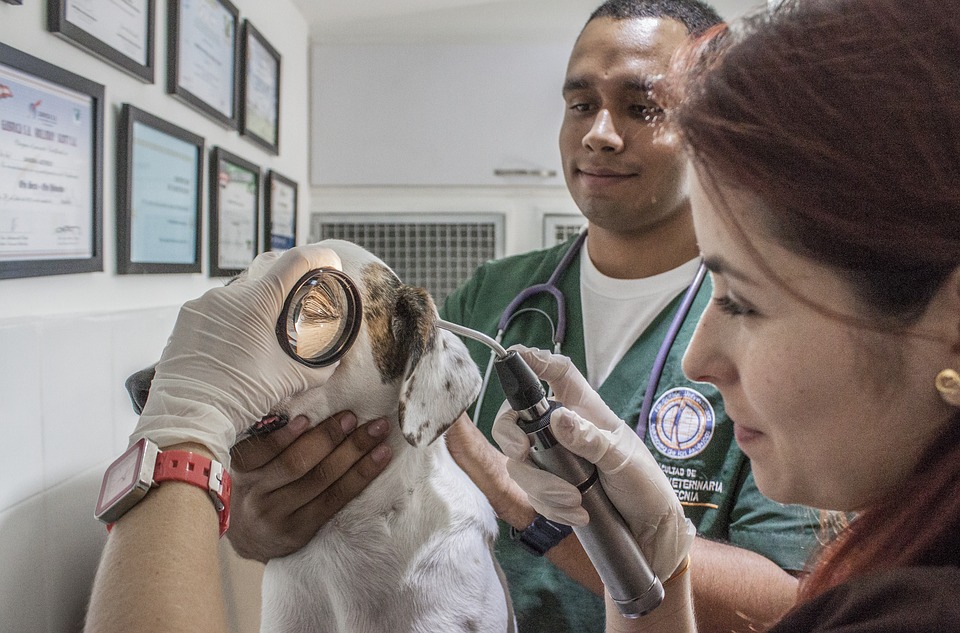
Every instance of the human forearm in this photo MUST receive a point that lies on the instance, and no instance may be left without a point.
(737, 590)
(486, 467)
(674, 615)
(160, 570)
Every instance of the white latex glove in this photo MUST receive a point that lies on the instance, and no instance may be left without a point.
(223, 369)
(630, 476)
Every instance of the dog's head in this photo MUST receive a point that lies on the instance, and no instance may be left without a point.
(401, 366)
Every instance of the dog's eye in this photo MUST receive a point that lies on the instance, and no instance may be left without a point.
(321, 318)
(318, 321)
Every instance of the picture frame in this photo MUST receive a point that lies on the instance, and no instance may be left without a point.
(120, 33)
(260, 90)
(203, 57)
(280, 213)
(159, 195)
(234, 213)
(51, 169)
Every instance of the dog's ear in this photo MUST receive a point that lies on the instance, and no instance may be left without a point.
(440, 379)
(138, 386)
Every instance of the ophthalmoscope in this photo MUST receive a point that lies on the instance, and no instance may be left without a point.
(625, 573)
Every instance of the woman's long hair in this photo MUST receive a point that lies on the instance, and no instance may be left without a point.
(843, 118)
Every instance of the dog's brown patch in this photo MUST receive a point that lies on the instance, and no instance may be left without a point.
(399, 321)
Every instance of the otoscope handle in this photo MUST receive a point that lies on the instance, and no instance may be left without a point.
(606, 539)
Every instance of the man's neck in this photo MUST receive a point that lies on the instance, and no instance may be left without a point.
(639, 255)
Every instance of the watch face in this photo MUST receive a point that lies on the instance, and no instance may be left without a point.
(120, 480)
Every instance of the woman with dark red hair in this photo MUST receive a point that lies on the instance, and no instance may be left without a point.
(824, 140)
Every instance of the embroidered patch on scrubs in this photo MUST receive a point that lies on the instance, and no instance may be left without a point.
(681, 423)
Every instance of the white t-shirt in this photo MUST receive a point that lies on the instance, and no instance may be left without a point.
(617, 311)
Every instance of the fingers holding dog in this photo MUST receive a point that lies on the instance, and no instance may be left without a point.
(289, 483)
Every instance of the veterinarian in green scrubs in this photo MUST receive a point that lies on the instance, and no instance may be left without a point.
(708, 471)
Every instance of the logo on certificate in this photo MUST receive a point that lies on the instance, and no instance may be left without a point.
(681, 423)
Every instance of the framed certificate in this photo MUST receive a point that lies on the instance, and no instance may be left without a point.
(51, 169)
(260, 90)
(280, 213)
(234, 211)
(203, 56)
(159, 184)
(119, 31)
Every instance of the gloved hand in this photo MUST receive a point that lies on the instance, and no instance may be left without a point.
(223, 369)
(630, 476)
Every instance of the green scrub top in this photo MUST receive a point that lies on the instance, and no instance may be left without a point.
(688, 433)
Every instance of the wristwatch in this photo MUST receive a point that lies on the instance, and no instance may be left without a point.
(144, 466)
(542, 534)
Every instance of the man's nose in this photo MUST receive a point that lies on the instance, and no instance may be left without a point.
(603, 135)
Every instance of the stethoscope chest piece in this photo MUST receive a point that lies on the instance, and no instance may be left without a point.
(321, 318)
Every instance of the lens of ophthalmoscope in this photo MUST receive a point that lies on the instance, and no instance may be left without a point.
(320, 318)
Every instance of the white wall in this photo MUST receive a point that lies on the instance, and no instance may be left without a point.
(67, 342)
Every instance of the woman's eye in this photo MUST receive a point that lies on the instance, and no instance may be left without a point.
(732, 307)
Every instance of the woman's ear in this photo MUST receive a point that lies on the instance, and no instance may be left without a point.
(948, 377)
(953, 311)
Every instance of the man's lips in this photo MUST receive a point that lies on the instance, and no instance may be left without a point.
(597, 172)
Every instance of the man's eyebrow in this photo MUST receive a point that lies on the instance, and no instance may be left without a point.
(572, 85)
(638, 85)
(630, 85)
(719, 266)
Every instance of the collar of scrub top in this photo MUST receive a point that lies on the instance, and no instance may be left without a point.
(559, 331)
(549, 287)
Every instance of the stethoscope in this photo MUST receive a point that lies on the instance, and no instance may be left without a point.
(550, 287)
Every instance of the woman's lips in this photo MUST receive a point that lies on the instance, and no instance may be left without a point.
(745, 435)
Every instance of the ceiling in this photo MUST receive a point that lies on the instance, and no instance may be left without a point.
(356, 21)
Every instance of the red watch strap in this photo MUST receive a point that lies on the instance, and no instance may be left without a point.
(195, 469)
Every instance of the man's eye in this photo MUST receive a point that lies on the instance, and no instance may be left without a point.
(580, 107)
(646, 111)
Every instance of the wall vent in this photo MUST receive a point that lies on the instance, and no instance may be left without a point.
(559, 227)
(437, 252)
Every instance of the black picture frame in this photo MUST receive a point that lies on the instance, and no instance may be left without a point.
(36, 98)
(228, 218)
(286, 237)
(58, 24)
(184, 88)
(154, 236)
(256, 125)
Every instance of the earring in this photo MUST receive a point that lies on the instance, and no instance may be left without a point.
(948, 384)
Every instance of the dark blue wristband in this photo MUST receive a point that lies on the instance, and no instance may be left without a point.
(541, 535)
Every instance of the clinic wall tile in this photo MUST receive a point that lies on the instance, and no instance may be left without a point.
(138, 339)
(21, 469)
(73, 541)
(75, 354)
(23, 603)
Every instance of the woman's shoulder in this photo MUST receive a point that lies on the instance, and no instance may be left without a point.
(910, 599)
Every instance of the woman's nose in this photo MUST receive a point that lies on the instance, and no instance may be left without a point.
(704, 359)
(603, 135)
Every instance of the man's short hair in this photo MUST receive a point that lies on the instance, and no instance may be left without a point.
(697, 16)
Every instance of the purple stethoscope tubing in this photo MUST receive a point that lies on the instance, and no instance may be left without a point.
(656, 372)
(550, 287)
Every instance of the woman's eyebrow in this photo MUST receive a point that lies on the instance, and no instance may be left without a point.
(719, 266)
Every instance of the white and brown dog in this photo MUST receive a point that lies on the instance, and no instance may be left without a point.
(414, 551)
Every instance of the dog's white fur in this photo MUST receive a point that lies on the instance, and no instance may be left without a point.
(414, 551)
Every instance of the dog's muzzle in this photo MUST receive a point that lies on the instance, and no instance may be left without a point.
(321, 318)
